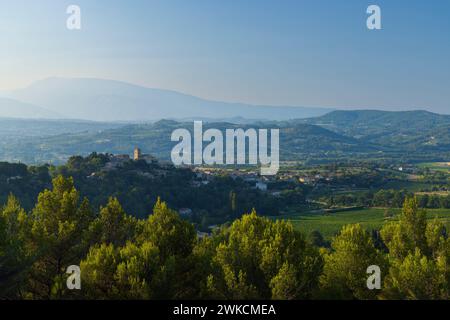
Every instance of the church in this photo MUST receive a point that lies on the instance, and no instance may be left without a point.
(138, 155)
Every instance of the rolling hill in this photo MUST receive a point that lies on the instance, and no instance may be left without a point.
(368, 122)
(413, 130)
(345, 135)
(300, 141)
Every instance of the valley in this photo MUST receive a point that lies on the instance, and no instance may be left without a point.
(340, 168)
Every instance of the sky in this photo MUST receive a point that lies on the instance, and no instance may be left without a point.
(300, 52)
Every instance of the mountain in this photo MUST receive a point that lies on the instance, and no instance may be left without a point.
(108, 100)
(10, 108)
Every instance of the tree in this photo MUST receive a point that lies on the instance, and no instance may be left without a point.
(404, 236)
(112, 225)
(175, 240)
(14, 259)
(155, 263)
(419, 255)
(58, 222)
(172, 235)
(253, 259)
(317, 239)
(233, 201)
(345, 270)
(434, 202)
(415, 277)
(126, 272)
(285, 284)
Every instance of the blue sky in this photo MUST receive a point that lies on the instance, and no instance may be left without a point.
(307, 53)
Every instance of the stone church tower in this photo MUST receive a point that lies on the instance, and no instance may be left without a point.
(137, 153)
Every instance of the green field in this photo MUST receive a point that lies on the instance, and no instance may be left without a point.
(437, 166)
(330, 224)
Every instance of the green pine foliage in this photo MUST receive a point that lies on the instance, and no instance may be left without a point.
(161, 257)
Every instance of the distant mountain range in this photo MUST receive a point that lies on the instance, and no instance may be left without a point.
(10, 108)
(107, 100)
(35, 128)
(121, 116)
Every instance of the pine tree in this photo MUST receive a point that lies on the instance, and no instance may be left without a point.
(419, 254)
(253, 256)
(58, 222)
(14, 259)
(345, 271)
(112, 225)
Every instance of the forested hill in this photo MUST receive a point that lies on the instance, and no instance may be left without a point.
(377, 120)
(414, 128)
(137, 184)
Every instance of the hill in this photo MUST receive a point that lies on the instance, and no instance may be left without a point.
(410, 130)
(138, 184)
(369, 122)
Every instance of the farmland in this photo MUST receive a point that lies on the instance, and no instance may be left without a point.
(329, 224)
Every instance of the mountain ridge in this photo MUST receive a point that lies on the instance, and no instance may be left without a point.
(11, 108)
(112, 100)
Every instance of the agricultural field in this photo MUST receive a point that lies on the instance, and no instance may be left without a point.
(329, 224)
(436, 166)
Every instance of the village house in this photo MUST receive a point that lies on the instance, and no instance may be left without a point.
(116, 161)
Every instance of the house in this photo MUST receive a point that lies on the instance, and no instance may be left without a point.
(116, 161)
(120, 157)
(92, 175)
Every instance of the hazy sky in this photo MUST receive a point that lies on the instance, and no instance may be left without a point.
(308, 53)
